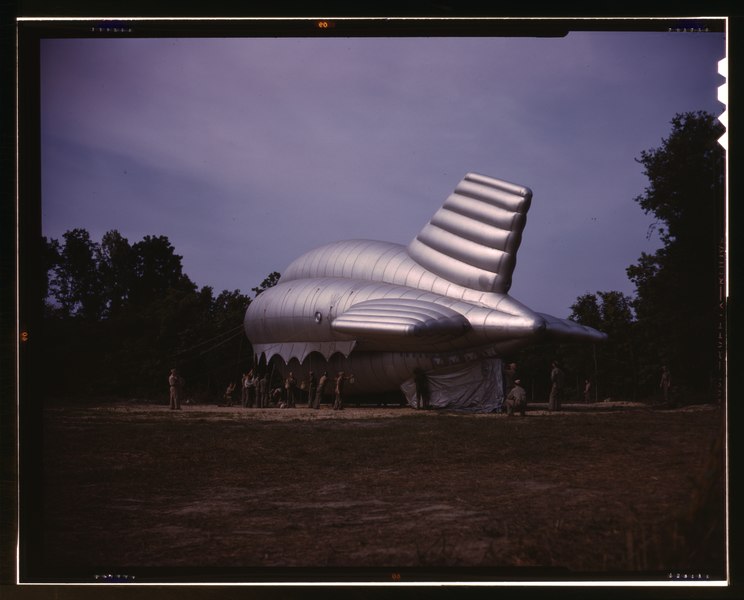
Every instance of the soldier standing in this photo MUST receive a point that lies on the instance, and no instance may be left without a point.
(338, 403)
(175, 384)
(665, 383)
(244, 389)
(291, 386)
(312, 386)
(321, 389)
(229, 394)
(262, 388)
(587, 390)
(251, 386)
(422, 388)
(517, 399)
(556, 388)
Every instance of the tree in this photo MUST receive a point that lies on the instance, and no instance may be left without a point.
(231, 306)
(270, 281)
(612, 366)
(115, 312)
(586, 311)
(119, 316)
(50, 258)
(156, 269)
(686, 181)
(75, 281)
(677, 287)
(116, 273)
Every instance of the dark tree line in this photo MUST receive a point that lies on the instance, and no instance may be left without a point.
(675, 317)
(118, 316)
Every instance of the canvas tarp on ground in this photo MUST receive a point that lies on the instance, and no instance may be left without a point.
(472, 387)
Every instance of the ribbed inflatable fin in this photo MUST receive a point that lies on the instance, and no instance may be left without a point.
(472, 240)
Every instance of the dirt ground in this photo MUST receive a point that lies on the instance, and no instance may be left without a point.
(208, 492)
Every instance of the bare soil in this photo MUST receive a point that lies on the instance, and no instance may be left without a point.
(208, 491)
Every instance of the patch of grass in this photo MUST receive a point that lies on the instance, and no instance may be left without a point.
(414, 490)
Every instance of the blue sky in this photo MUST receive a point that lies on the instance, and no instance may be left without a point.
(248, 152)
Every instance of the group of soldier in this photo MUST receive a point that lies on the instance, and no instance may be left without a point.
(256, 391)
(516, 395)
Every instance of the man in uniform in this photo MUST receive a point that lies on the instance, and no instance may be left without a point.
(251, 387)
(244, 389)
(291, 386)
(321, 389)
(175, 383)
(229, 393)
(665, 383)
(517, 399)
(556, 388)
(587, 390)
(422, 388)
(338, 403)
(262, 388)
(312, 387)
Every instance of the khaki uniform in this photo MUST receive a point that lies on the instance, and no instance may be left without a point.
(422, 388)
(244, 391)
(229, 394)
(291, 387)
(666, 383)
(251, 397)
(263, 392)
(516, 400)
(320, 391)
(556, 389)
(175, 384)
(338, 403)
(312, 390)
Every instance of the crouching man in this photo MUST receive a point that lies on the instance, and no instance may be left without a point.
(517, 399)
